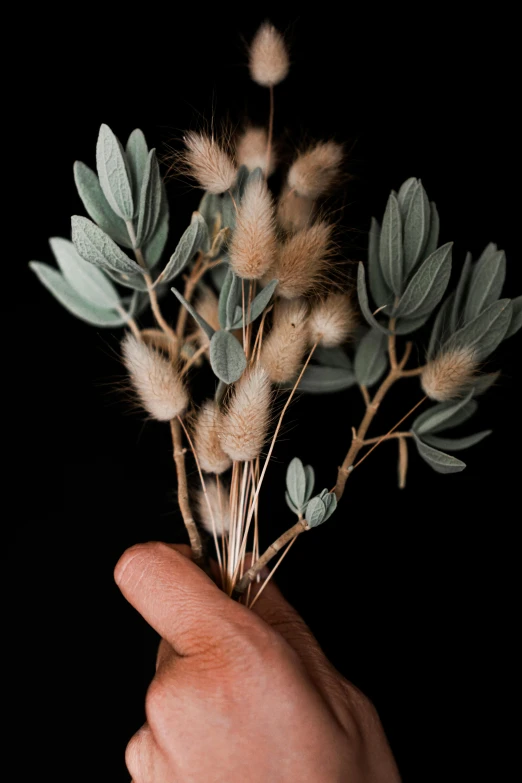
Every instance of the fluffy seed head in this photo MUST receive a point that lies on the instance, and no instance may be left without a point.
(332, 320)
(245, 424)
(209, 163)
(251, 150)
(449, 375)
(207, 307)
(268, 56)
(218, 499)
(211, 456)
(253, 246)
(293, 211)
(283, 349)
(301, 260)
(313, 172)
(155, 379)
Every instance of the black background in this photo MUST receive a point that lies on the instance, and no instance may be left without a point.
(411, 593)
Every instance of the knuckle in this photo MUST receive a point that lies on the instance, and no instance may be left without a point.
(138, 755)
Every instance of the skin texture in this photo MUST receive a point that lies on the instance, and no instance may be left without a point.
(241, 695)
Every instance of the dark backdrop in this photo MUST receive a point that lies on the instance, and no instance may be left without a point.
(411, 593)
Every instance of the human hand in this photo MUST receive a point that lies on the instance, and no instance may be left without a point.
(241, 695)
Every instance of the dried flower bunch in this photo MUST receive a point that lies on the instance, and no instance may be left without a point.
(257, 300)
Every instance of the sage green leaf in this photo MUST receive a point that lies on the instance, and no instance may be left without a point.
(114, 173)
(218, 274)
(315, 512)
(416, 228)
(455, 444)
(296, 482)
(96, 247)
(234, 299)
(380, 292)
(486, 284)
(209, 331)
(290, 504)
(310, 481)
(210, 207)
(333, 357)
(71, 300)
(371, 358)
(324, 380)
(97, 206)
(441, 326)
(227, 358)
(485, 332)
(405, 195)
(433, 236)
(441, 416)
(516, 317)
(438, 460)
(137, 154)
(150, 200)
(409, 325)
(459, 417)
(390, 246)
(136, 282)
(258, 305)
(427, 286)
(228, 211)
(154, 247)
(330, 502)
(484, 382)
(364, 304)
(456, 319)
(488, 252)
(223, 297)
(191, 241)
(243, 177)
(86, 279)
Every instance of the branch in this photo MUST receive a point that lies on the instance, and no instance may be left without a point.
(183, 495)
(268, 554)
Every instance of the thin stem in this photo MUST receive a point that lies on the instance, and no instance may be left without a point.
(412, 373)
(403, 462)
(270, 131)
(268, 554)
(183, 495)
(392, 345)
(131, 323)
(274, 569)
(384, 437)
(195, 356)
(387, 437)
(365, 394)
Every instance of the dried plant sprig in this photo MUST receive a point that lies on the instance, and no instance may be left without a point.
(209, 163)
(284, 348)
(244, 426)
(155, 379)
(332, 320)
(252, 150)
(315, 170)
(294, 212)
(254, 245)
(207, 442)
(302, 261)
(449, 375)
(269, 63)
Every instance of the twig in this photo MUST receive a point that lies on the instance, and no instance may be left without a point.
(403, 462)
(272, 572)
(386, 437)
(183, 495)
(268, 554)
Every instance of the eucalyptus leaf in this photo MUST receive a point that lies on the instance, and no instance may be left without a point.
(87, 280)
(461, 291)
(97, 206)
(114, 174)
(364, 304)
(486, 284)
(405, 195)
(137, 154)
(441, 331)
(290, 504)
(96, 247)
(315, 512)
(209, 331)
(333, 357)
(485, 332)
(440, 416)
(325, 380)
(227, 357)
(310, 481)
(296, 482)
(259, 303)
(427, 286)
(150, 200)
(416, 228)
(63, 291)
(390, 246)
(191, 241)
(438, 460)
(455, 444)
(516, 317)
(371, 358)
(433, 236)
(380, 292)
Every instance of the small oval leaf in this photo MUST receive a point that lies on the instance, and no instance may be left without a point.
(227, 358)
(438, 460)
(456, 444)
(315, 512)
(441, 416)
(296, 482)
(137, 154)
(371, 358)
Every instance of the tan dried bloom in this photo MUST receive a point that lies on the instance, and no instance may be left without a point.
(155, 379)
(283, 349)
(253, 246)
(449, 375)
(268, 56)
(211, 456)
(313, 172)
(245, 423)
(207, 307)
(219, 502)
(209, 163)
(252, 148)
(293, 211)
(332, 320)
(301, 260)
